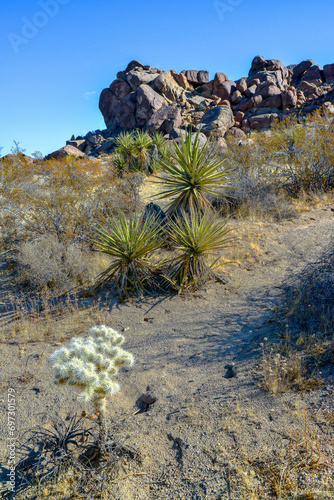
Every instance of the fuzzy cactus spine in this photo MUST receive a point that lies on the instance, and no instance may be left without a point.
(90, 364)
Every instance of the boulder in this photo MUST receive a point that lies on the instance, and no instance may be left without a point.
(136, 78)
(181, 80)
(122, 114)
(120, 88)
(300, 69)
(133, 65)
(164, 120)
(106, 147)
(258, 64)
(77, 143)
(94, 140)
(219, 117)
(263, 121)
(225, 90)
(235, 132)
(166, 84)
(314, 75)
(274, 101)
(196, 78)
(267, 89)
(219, 79)
(236, 97)
(65, 152)
(148, 102)
(107, 102)
(309, 88)
(244, 105)
(289, 99)
(239, 116)
(252, 89)
(256, 100)
(242, 85)
(329, 73)
(198, 100)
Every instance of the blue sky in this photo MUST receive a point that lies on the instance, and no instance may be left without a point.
(57, 55)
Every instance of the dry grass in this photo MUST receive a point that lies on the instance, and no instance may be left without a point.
(42, 318)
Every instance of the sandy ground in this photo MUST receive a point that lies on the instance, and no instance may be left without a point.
(194, 439)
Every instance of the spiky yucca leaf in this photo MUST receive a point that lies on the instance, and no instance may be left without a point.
(195, 237)
(130, 242)
(193, 173)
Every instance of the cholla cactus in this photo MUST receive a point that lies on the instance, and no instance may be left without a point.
(90, 364)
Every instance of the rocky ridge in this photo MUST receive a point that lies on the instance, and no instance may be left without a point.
(167, 102)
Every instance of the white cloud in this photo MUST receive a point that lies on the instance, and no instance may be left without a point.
(88, 95)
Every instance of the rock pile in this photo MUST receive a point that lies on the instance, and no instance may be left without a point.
(167, 101)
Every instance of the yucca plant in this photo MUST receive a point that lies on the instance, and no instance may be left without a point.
(130, 242)
(125, 148)
(193, 173)
(142, 145)
(195, 237)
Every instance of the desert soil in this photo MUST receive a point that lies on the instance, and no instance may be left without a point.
(195, 440)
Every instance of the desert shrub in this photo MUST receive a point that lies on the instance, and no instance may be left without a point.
(195, 238)
(193, 173)
(48, 262)
(292, 158)
(62, 198)
(307, 308)
(130, 242)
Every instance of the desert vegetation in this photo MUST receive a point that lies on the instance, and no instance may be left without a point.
(75, 240)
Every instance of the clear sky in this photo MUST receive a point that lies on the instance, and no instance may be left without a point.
(57, 55)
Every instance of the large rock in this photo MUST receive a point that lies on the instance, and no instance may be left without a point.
(148, 102)
(264, 121)
(267, 89)
(136, 78)
(274, 101)
(242, 85)
(166, 84)
(120, 88)
(300, 69)
(119, 114)
(107, 103)
(218, 118)
(314, 75)
(94, 140)
(259, 64)
(65, 152)
(329, 73)
(219, 79)
(289, 99)
(164, 120)
(181, 79)
(225, 90)
(196, 78)
(77, 143)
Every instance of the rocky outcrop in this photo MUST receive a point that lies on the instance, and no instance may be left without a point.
(168, 101)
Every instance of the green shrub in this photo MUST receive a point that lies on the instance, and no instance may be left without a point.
(130, 242)
(192, 174)
(195, 238)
